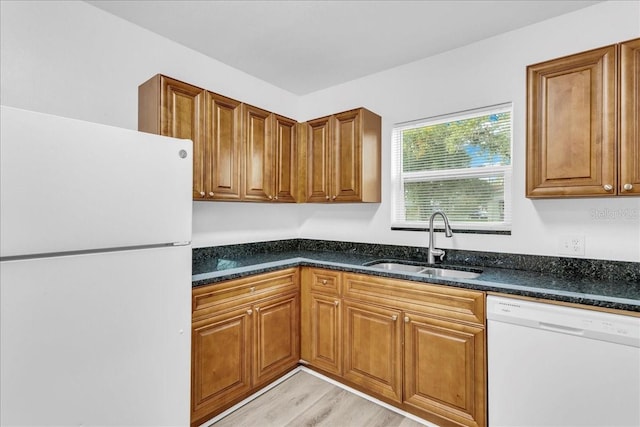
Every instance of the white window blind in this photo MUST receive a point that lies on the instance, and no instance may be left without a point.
(458, 163)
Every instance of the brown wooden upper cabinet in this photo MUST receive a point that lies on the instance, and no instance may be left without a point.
(244, 153)
(270, 156)
(583, 131)
(172, 108)
(213, 122)
(343, 158)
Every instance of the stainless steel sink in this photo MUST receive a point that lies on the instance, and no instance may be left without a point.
(424, 270)
(447, 272)
(397, 266)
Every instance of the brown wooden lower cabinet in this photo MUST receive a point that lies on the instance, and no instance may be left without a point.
(276, 337)
(221, 359)
(420, 347)
(323, 343)
(444, 370)
(373, 348)
(239, 348)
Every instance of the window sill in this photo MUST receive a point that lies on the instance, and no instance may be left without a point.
(455, 230)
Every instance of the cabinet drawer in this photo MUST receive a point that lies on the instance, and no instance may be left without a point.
(322, 281)
(229, 294)
(444, 301)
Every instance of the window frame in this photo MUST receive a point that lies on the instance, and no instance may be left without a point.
(399, 178)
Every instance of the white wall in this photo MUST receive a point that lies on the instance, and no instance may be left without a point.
(487, 73)
(72, 59)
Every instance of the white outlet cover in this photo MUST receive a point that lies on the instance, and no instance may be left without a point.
(571, 244)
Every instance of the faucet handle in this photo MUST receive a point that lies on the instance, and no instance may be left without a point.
(439, 253)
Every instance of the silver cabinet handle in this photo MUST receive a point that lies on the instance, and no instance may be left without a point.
(202, 193)
(628, 187)
(608, 187)
(406, 319)
(211, 193)
(249, 312)
(394, 317)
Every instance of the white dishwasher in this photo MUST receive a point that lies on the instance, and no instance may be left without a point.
(552, 365)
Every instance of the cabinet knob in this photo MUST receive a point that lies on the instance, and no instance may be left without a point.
(327, 197)
(276, 198)
(628, 187)
(324, 281)
(202, 193)
(211, 193)
(608, 187)
(257, 309)
(249, 312)
(336, 302)
(333, 197)
(252, 289)
(270, 197)
(406, 319)
(394, 317)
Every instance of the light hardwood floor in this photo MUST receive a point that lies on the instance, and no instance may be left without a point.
(306, 400)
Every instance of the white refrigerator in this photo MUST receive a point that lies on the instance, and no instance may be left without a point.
(95, 274)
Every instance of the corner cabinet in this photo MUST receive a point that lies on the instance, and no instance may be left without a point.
(270, 156)
(245, 334)
(417, 346)
(583, 117)
(341, 157)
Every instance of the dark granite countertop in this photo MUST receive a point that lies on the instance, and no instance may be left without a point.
(592, 282)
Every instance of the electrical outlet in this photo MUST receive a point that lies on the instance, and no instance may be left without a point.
(571, 244)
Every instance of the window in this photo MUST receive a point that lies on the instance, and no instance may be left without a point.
(459, 164)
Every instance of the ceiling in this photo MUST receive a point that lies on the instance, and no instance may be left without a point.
(305, 46)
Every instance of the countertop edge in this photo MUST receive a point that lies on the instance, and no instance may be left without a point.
(601, 301)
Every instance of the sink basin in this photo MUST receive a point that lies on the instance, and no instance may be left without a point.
(398, 266)
(447, 272)
(422, 269)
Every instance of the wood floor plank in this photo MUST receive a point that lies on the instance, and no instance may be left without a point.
(280, 405)
(309, 401)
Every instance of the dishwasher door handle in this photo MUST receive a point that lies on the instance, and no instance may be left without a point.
(561, 328)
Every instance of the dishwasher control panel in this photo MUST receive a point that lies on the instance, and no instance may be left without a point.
(567, 320)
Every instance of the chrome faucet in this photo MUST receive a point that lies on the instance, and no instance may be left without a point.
(432, 252)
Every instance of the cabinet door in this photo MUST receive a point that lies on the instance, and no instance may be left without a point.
(347, 162)
(173, 108)
(325, 333)
(277, 337)
(221, 348)
(319, 160)
(373, 348)
(629, 181)
(571, 125)
(445, 370)
(285, 168)
(257, 179)
(223, 151)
